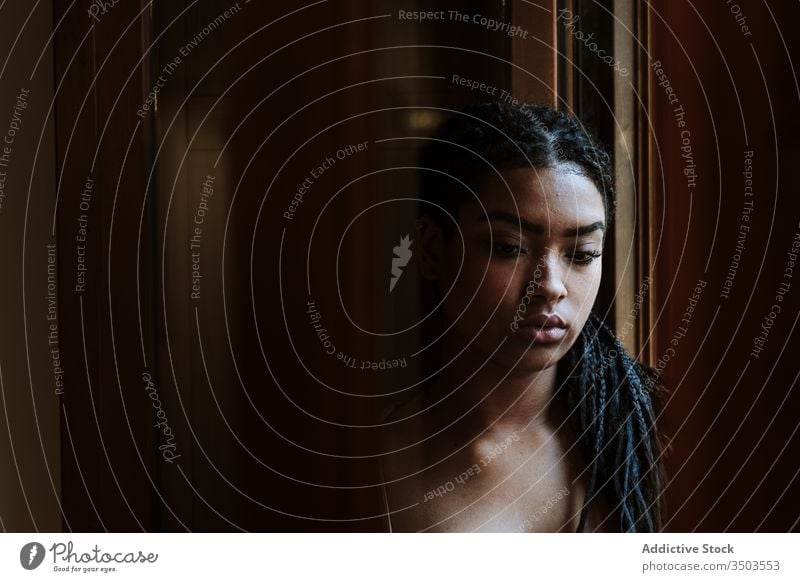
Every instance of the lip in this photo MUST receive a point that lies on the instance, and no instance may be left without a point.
(543, 320)
(543, 328)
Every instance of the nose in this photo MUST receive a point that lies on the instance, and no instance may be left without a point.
(547, 280)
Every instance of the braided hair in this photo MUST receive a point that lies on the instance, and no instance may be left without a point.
(608, 393)
(494, 137)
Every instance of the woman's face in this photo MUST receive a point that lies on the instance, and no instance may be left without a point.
(528, 253)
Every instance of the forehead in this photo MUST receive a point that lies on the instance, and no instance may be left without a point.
(555, 196)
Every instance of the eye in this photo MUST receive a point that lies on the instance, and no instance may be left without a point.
(507, 250)
(585, 257)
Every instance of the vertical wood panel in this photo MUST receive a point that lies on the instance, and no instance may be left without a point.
(534, 76)
(107, 418)
(30, 440)
(729, 414)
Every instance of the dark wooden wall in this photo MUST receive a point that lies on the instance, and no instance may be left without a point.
(109, 467)
(260, 443)
(731, 416)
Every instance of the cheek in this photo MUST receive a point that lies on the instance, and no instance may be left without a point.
(496, 294)
(583, 288)
(482, 285)
(497, 281)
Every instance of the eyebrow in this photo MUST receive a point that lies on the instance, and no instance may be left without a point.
(540, 229)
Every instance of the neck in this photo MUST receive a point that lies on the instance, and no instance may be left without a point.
(483, 397)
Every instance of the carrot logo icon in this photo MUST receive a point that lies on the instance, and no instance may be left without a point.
(402, 256)
(31, 555)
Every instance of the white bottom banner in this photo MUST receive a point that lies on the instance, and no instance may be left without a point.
(400, 557)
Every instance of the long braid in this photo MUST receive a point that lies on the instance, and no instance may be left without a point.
(593, 416)
(617, 427)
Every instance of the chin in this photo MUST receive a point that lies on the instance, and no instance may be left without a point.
(519, 356)
(536, 360)
(528, 357)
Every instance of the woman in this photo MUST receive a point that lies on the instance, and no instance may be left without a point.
(537, 419)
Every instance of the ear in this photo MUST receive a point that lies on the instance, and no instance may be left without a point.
(432, 246)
